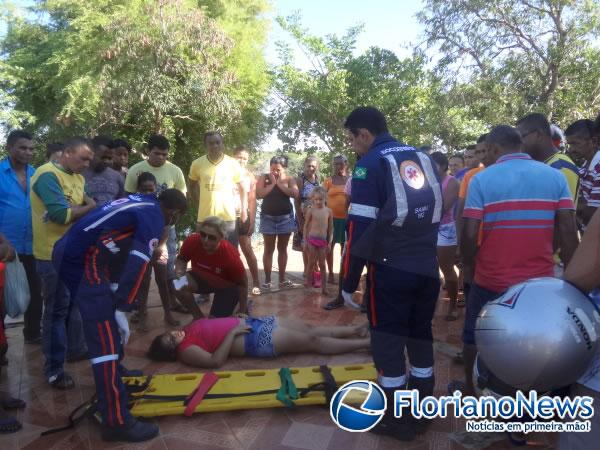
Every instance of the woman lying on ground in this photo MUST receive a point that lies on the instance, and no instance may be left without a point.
(208, 342)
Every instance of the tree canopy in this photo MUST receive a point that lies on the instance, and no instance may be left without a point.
(182, 67)
(177, 67)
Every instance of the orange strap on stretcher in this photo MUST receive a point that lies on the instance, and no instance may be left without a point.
(206, 383)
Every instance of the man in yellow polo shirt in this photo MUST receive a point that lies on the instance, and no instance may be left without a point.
(213, 181)
(57, 200)
(537, 142)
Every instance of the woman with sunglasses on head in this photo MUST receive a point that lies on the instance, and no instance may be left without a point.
(215, 267)
(277, 222)
(208, 343)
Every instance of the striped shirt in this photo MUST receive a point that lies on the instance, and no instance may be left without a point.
(590, 181)
(516, 199)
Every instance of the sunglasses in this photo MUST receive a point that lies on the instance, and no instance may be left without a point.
(209, 237)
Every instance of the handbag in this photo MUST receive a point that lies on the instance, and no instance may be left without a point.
(16, 288)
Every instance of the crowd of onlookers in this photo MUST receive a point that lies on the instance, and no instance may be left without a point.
(37, 206)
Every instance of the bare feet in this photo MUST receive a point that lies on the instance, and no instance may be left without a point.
(171, 320)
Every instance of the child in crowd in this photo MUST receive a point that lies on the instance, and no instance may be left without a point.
(318, 235)
(146, 184)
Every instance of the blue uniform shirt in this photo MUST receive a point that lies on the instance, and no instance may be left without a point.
(111, 244)
(15, 208)
(396, 208)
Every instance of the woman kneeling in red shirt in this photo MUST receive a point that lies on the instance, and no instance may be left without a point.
(208, 342)
(216, 267)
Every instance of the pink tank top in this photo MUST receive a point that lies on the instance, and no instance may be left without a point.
(448, 216)
(207, 333)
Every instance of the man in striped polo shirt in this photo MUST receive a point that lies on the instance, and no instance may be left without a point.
(583, 144)
(520, 202)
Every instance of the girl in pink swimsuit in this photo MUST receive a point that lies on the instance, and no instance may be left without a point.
(208, 342)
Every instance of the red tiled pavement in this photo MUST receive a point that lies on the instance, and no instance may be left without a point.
(304, 428)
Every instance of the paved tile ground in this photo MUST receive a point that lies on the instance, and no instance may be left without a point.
(304, 428)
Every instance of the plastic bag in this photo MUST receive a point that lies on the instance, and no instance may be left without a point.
(16, 288)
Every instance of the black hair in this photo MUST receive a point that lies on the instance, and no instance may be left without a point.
(367, 117)
(15, 135)
(75, 142)
(441, 160)
(482, 138)
(97, 141)
(116, 143)
(279, 159)
(145, 176)
(212, 133)
(536, 122)
(457, 155)
(54, 147)
(580, 126)
(173, 199)
(158, 351)
(506, 137)
(158, 141)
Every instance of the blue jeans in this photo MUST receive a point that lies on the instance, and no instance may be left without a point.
(62, 328)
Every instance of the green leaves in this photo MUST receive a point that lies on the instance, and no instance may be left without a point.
(178, 67)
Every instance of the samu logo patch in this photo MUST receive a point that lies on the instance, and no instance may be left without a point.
(360, 173)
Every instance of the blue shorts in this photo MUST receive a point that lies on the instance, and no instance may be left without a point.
(477, 298)
(259, 341)
(285, 224)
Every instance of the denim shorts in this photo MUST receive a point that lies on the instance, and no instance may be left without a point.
(285, 224)
(476, 300)
(259, 341)
(447, 235)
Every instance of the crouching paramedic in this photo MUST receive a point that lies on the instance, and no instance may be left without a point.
(393, 224)
(102, 260)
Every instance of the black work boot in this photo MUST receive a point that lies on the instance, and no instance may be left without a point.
(133, 431)
(425, 387)
(403, 428)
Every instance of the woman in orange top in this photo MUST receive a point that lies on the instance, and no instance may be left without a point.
(338, 202)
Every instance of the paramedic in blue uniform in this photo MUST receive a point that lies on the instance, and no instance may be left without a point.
(102, 260)
(393, 224)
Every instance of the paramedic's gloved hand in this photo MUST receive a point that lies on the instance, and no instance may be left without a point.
(123, 324)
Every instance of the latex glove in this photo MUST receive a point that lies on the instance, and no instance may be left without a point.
(123, 324)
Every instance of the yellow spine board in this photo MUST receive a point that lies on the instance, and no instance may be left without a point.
(238, 382)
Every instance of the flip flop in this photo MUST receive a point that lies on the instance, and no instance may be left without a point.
(10, 425)
(13, 403)
(286, 284)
